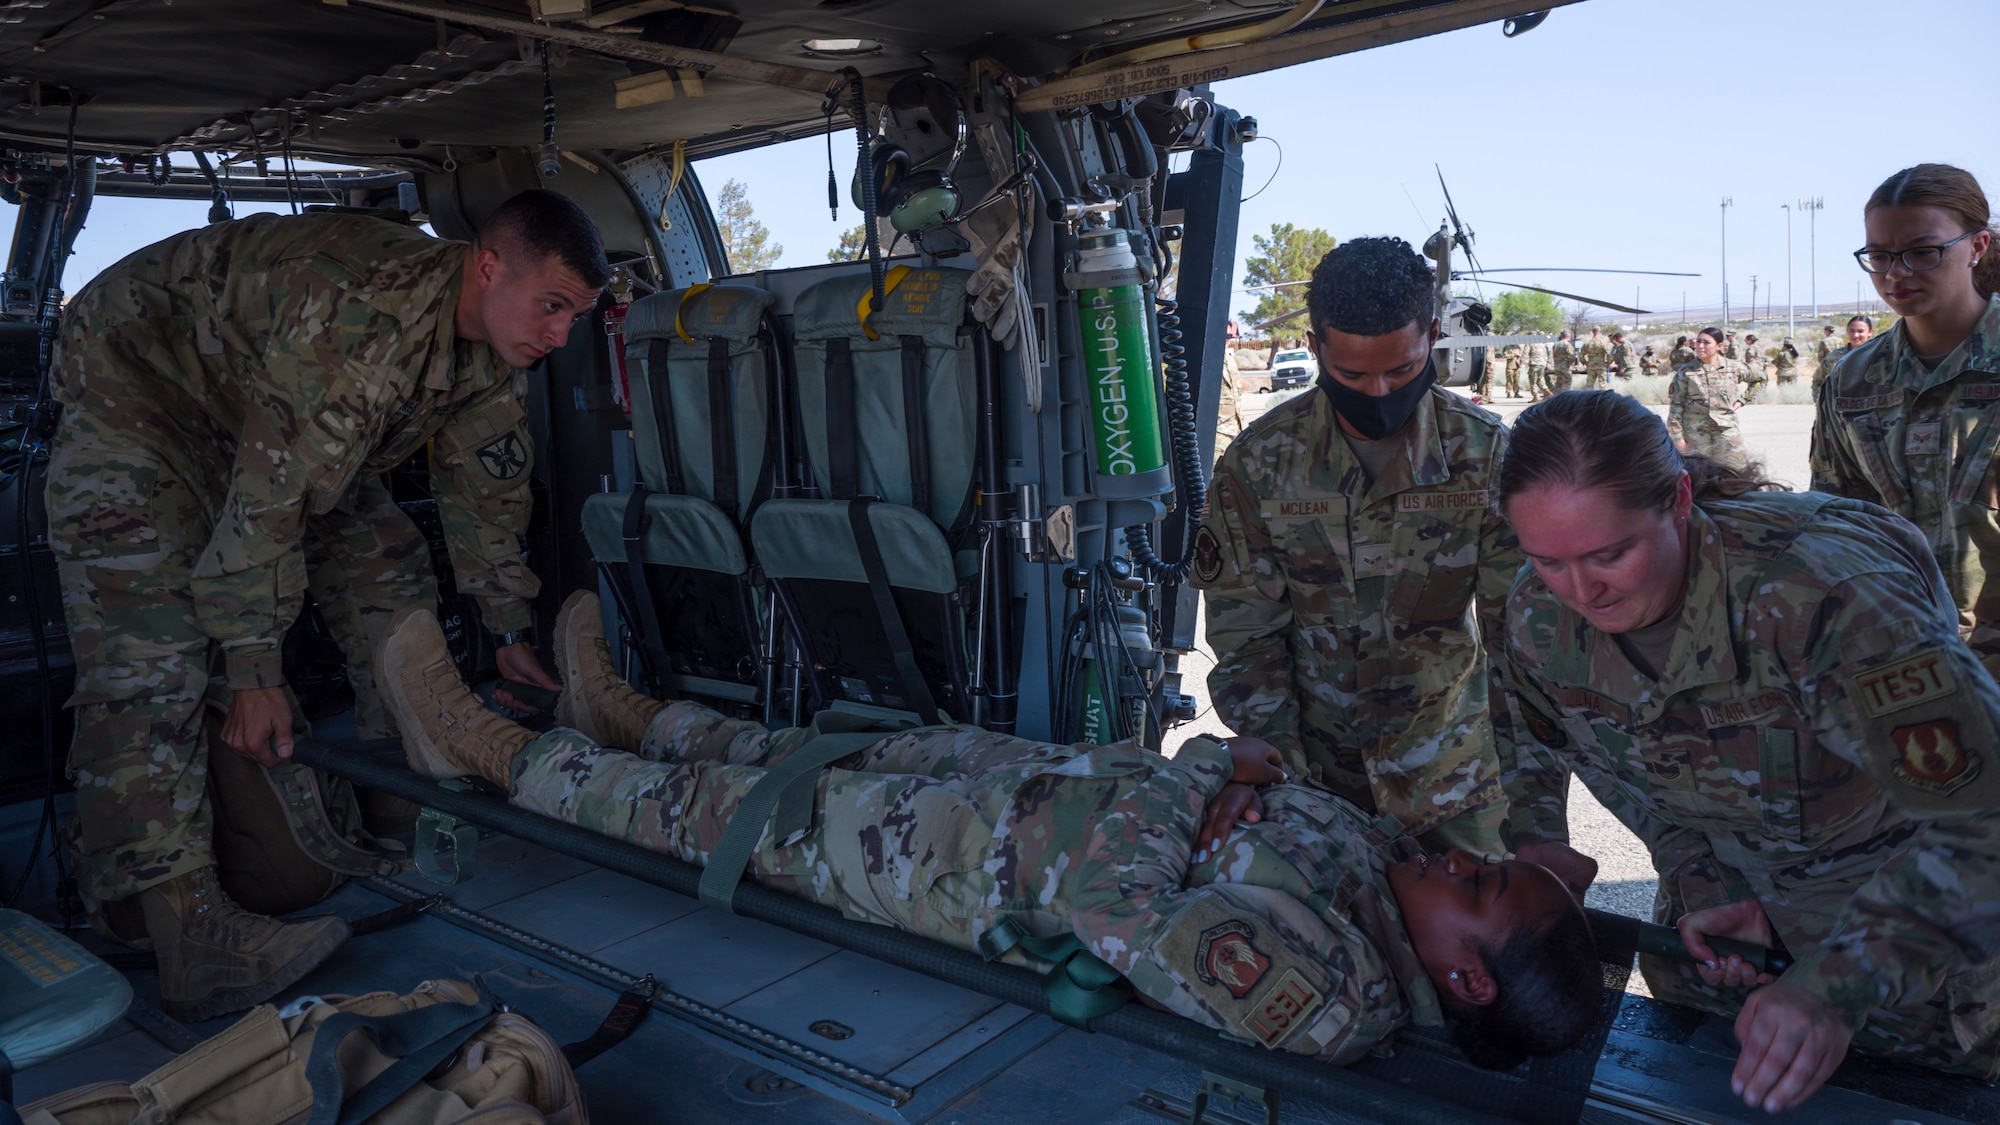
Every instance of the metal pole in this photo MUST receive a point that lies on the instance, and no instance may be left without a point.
(1753, 298)
(1726, 201)
(1812, 208)
(1791, 311)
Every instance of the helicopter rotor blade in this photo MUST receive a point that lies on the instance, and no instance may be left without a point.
(1576, 297)
(1274, 285)
(1279, 319)
(1457, 228)
(1573, 269)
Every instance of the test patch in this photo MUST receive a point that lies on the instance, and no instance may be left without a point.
(1283, 1008)
(1906, 683)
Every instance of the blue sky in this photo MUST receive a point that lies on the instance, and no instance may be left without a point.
(1605, 137)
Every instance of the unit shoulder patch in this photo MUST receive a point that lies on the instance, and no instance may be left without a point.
(1922, 678)
(1547, 731)
(1226, 955)
(504, 457)
(1207, 555)
(1930, 757)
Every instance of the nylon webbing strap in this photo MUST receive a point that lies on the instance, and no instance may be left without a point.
(618, 1024)
(663, 415)
(843, 459)
(913, 423)
(641, 600)
(1079, 986)
(916, 693)
(731, 856)
(722, 426)
(418, 1040)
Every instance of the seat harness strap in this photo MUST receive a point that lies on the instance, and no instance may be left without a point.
(916, 693)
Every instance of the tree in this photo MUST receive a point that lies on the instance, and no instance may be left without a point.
(1288, 253)
(1526, 311)
(853, 245)
(1579, 322)
(745, 241)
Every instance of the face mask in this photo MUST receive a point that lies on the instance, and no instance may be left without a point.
(1378, 416)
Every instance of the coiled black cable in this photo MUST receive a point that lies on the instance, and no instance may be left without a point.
(864, 167)
(1190, 466)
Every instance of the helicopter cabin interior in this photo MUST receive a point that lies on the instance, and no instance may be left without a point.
(840, 487)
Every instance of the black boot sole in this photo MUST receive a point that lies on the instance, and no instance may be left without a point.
(223, 1001)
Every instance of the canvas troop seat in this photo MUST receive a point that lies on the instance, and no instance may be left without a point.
(867, 573)
(705, 372)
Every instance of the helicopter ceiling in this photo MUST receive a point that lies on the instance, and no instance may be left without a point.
(416, 84)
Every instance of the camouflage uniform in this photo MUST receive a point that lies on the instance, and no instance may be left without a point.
(1514, 365)
(1538, 371)
(1562, 366)
(1624, 362)
(1787, 364)
(1595, 355)
(1342, 613)
(231, 396)
(1229, 405)
(1701, 409)
(1833, 357)
(1289, 935)
(1921, 443)
(1816, 741)
(1729, 347)
(1680, 355)
(1825, 346)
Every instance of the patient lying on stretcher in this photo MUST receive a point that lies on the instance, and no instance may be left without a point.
(1302, 925)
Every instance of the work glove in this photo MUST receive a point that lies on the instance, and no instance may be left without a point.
(999, 287)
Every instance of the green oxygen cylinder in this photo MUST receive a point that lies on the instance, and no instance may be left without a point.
(1123, 380)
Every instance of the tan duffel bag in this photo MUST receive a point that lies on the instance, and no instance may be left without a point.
(348, 1061)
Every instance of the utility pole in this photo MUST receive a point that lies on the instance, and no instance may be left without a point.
(1753, 298)
(1791, 310)
(1726, 201)
(1812, 207)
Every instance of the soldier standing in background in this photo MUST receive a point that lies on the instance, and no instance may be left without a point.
(1729, 346)
(1682, 354)
(1702, 402)
(1562, 364)
(1823, 348)
(1756, 373)
(1622, 362)
(1538, 371)
(1787, 362)
(1649, 361)
(1515, 362)
(1347, 539)
(1803, 640)
(1595, 355)
(231, 398)
(1229, 400)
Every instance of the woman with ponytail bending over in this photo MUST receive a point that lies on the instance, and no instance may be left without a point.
(1910, 420)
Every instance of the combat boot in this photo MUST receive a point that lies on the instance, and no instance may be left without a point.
(216, 957)
(447, 730)
(596, 701)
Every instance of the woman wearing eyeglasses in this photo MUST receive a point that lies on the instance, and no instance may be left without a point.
(1910, 420)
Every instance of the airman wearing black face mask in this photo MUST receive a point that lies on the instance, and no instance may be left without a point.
(1347, 548)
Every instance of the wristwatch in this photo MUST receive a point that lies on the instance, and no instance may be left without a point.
(514, 637)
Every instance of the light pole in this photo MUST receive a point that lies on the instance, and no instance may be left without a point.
(1726, 201)
(1812, 208)
(1791, 311)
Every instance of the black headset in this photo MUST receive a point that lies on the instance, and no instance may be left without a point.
(917, 200)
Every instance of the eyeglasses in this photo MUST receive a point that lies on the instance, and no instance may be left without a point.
(1917, 258)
